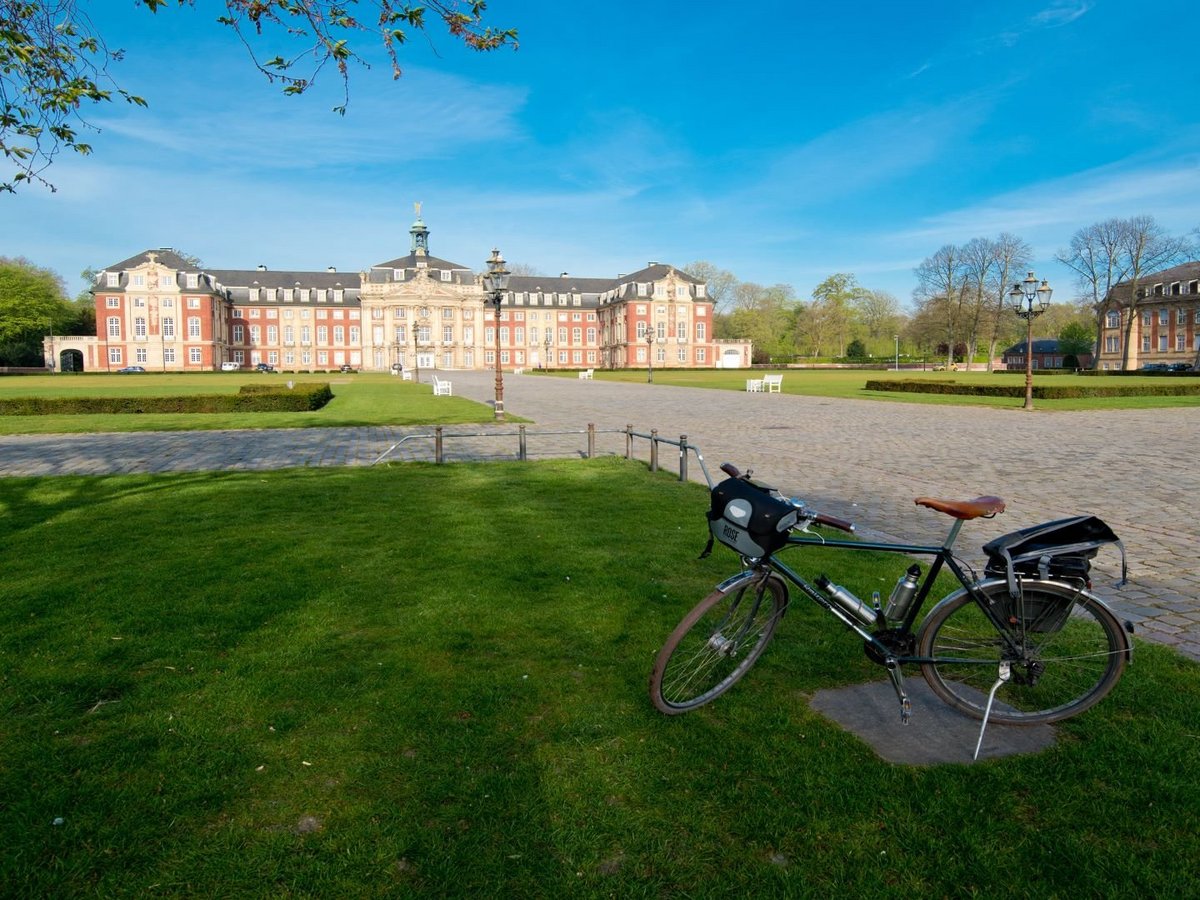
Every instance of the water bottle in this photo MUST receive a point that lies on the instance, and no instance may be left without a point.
(848, 602)
(902, 594)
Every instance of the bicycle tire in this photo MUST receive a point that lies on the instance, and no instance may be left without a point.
(1067, 652)
(716, 643)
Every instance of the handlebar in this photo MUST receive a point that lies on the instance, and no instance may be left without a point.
(818, 518)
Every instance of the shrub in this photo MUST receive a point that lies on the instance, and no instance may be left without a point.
(1042, 392)
(250, 398)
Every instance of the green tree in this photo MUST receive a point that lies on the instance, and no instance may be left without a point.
(54, 64)
(833, 306)
(1076, 339)
(32, 304)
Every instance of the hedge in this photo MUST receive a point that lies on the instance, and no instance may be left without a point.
(250, 398)
(1041, 392)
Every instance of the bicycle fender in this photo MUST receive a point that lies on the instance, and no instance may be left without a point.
(745, 578)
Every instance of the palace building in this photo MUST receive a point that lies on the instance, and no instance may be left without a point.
(160, 311)
(1165, 328)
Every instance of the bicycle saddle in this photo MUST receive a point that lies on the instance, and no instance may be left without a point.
(964, 509)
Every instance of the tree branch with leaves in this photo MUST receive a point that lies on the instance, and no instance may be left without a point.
(54, 63)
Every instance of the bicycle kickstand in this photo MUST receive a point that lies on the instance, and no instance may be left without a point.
(893, 670)
(1005, 674)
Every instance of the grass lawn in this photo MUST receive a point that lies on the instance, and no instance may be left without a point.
(432, 680)
(358, 400)
(849, 384)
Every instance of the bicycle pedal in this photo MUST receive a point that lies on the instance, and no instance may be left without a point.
(905, 711)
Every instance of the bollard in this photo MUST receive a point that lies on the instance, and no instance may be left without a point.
(522, 449)
(591, 451)
(653, 449)
(437, 445)
(683, 451)
(629, 441)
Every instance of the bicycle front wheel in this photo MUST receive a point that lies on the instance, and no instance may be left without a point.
(1063, 650)
(716, 643)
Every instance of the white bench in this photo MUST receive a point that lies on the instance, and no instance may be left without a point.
(406, 375)
(519, 371)
(441, 388)
(754, 384)
(587, 374)
(772, 384)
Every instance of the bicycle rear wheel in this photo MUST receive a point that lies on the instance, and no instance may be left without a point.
(716, 643)
(1065, 650)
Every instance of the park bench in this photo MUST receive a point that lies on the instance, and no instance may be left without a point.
(587, 374)
(441, 387)
(772, 384)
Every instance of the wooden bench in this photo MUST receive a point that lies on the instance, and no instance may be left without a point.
(587, 374)
(441, 387)
(772, 384)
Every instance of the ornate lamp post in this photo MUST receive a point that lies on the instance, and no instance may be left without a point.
(1024, 296)
(416, 357)
(649, 355)
(897, 339)
(546, 360)
(495, 282)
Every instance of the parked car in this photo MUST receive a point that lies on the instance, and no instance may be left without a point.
(1179, 367)
(264, 367)
(1155, 367)
(130, 370)
(230, 366)
(349, 370)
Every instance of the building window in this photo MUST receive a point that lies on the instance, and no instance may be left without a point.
(447, 312)
(447, 333)
(1162, 343)
(166, 281)
(139, 328)
(1164, 317)
(193, 280)
(1180, 341)
(114, 327)
(138, 280)
(194, 355)
(400, 334)
(681, 331)
(1112, 319)
(114, 355)
(239, 334)
(306, 334)
(168, 327)
(168, 354)
(112, 279)
(701, 332)
(700, 355)
(339, 334)
(1181, 316)
(322, 357)
(193, 327)
(272, 334)
(322, 334)
(140, 355)
(114, 302)
(255, 335)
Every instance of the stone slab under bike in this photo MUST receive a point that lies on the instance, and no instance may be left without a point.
(936, 734)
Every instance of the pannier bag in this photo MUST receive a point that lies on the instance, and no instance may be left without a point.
(749, 518)
(1062, 549)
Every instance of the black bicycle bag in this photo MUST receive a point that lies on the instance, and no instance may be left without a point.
(749, 518)
(1062, 549)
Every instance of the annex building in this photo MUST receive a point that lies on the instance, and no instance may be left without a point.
(157, 310)
(1166, 319)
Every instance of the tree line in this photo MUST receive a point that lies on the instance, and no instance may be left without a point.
(960, 305)
(34, 305)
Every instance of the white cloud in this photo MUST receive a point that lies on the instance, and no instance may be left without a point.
(1061, 13)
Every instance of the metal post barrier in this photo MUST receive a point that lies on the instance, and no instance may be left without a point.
(653, 449)
(591, 453)
(438, 456)
(629, 441)
(523, 450)
(683, 452)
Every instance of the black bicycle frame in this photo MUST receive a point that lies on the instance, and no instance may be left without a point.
(942, 556)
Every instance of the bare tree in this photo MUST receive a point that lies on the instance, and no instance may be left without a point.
(1144, 248)
(940, 293)
(879, 312)
(1012, 255)
(978, 257)
(720, 283)
(1094, 255)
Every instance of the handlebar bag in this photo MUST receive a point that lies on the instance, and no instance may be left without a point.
(749, 518)
(1060, 549)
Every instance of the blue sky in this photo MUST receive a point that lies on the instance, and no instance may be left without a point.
(782, 141)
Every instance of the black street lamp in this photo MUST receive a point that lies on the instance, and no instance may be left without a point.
(649, 355)
(495, 282)
(1024, 296)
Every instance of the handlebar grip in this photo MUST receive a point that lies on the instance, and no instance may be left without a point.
(834, 522)
(731, 470)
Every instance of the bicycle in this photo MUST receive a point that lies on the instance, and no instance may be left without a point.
(1029, 633)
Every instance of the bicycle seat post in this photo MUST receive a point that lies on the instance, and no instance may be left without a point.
(955, 527)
